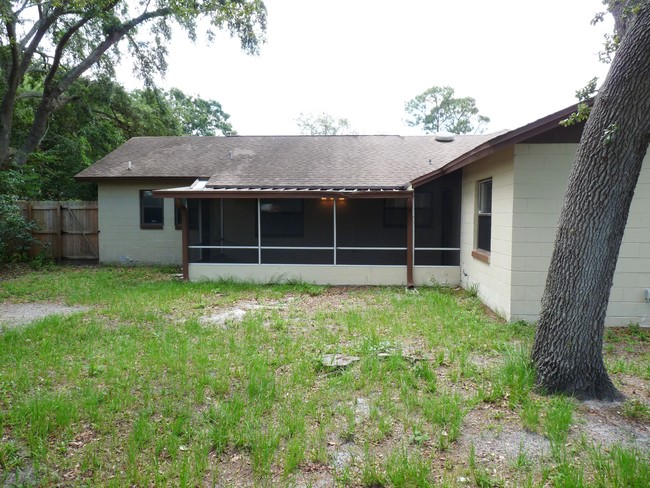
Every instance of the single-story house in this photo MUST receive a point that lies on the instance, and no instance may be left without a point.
(477, 210)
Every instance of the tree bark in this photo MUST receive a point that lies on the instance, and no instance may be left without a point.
(568, 345)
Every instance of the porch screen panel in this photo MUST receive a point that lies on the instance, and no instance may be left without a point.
(297, 256)
(371, 257)
(293, 222)
(364, 235)
(436, 258)
(219, 227)
(223, 256)
(437, 243)
(239, 222)
(361, 223)
(204, 227)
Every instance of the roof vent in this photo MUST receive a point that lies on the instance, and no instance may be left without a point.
(444, 136)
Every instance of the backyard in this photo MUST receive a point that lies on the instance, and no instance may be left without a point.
(141, 379)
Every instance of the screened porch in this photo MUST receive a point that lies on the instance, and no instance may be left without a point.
(328, 230)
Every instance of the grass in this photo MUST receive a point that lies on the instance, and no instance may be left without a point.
(139, 390)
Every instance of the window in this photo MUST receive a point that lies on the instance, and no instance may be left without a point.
(151, 210)
(282, 218)
(395, 211)
(484, 213)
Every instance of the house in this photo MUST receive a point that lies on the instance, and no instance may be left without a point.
(478, 211)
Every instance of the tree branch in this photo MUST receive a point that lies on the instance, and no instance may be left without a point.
(36, 38)
(44, 20)
(15, 52)
(29, 94)
(58, 53)
(23, 7)
(112, 38)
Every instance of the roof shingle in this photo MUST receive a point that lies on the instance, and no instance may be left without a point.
(284, 161)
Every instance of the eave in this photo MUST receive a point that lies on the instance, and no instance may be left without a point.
(500, 142)
(283, 193)
(126, 179)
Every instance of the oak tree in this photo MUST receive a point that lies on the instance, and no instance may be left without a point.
(63, 40)
(102, 116)
(567, 352)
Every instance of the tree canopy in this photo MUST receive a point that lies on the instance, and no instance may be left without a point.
(438, 109)
(46, 46)
(323, 124)
(103, 117)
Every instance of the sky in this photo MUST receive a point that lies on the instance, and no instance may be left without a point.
(363, 59)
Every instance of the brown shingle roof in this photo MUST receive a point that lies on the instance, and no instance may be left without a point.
(284, 161)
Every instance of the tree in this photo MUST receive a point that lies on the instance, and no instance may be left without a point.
(198, 117)
(438, 110)
(64, 40)
(567, 352)
(104, 116)
(323, 124)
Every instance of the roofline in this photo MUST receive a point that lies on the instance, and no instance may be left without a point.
(186, 193)
(493, 145)
(123, 179)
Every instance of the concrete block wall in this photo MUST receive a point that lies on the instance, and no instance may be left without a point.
(325, 275)
(541, 174)
(627, 303)
(121, 240)
(493, 279)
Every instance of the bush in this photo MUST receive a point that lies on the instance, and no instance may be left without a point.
(15, 231)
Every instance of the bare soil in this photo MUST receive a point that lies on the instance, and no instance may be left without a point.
(16, 314)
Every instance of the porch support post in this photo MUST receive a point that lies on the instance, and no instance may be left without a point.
(409, 242)
(185, 237)
(259, 231)
(334, 211)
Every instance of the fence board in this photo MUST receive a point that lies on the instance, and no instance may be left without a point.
(65, 230)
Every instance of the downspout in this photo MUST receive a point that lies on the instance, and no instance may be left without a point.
(409, 242)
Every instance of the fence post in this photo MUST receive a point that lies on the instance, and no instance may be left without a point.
(59, 234)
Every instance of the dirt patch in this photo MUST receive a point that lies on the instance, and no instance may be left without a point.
(498, 439)
(16, 314)
(633, 387)
(233, 469)
(290, 308)
(603, 423)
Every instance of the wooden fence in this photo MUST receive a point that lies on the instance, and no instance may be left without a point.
(65, 230)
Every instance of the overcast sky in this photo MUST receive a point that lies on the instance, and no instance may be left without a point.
(363, 59)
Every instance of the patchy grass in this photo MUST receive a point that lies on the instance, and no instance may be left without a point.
(154, 385)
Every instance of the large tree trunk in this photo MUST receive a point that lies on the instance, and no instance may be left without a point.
(6, 114)
(568, 346)
(37, 130)
(12, 80)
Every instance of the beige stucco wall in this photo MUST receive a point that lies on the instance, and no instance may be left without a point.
(541, 175)
(326, 275)
(120, 238)
(492, 279)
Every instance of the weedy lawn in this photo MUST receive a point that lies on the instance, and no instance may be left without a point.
(161, 382)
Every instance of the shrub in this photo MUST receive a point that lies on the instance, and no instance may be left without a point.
(15, 231)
